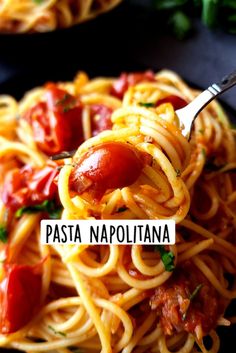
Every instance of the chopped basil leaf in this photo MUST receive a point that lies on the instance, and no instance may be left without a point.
(3, 234)
(195, 292)
(147, 105)
(63, 99)
(46, 206)
(178, 172)
(169, 4)
(167, 257)
(201, 131)
(204, 152)
(180, 24)
(210, 11)
(56, 332)
(38, 1)
(192, 297)
(66, 105)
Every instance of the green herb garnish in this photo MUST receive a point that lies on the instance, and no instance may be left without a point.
(38, 1)
(169, 4)
(147, 105)
(67, 102)
(167, 257)
(180, 24)
(179, 14)
(192, 297)
(178, 172)
(210, 11)
(47, 206)
(3, 234)
(195, 292)
(56, 332)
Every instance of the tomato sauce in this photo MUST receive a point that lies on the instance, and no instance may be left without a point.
(177, 311)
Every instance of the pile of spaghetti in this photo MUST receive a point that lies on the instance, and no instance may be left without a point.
(129, 160)
(47, 15)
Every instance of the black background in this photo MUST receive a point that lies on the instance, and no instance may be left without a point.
(129, 38)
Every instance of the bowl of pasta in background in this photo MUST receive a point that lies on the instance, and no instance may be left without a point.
(47, 15)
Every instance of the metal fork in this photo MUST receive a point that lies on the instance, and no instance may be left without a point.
(188, 114)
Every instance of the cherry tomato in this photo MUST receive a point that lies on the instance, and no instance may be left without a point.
(20, 292)
(176, 101)
(56, 122)
(27, 186)
(109, 165)
(100, 118)
(121, 85)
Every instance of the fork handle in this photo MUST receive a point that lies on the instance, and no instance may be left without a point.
(216, 89)
(189, 113)
(227, 82)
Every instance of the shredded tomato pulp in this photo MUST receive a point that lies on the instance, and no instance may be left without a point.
(121, 85)
(20, 292)
(27, 186)
(56, 122)
(100, 118)
(110, 165)
(176, 101)
(177, 311)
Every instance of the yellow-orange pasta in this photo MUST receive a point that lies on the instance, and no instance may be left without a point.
(115, 298)
(47, 15)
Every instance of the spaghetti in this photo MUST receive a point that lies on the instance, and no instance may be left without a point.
(47, 15)
(115, 298)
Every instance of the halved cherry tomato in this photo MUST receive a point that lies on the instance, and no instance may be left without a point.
(176, 101)
(121, 85)
(20, 292)
(100, 118)
(109, 165)
(56, 122)
(27, 186)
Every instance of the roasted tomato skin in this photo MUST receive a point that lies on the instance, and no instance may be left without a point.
(121, 85)
(57, 121)
(27, 186)
(109, 165)
(176, 101)
(100, 116)
(20, 292)
(177, 312)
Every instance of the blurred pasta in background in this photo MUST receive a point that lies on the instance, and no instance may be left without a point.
(47, 15)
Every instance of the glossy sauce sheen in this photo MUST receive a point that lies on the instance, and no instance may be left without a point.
(177, 312)
(56, 122)
(20, 292)
(109, 165)
(176, 101)
(100, 118)
(27, 186)
(125, 80)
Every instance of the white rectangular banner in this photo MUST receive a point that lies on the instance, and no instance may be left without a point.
(104, 232)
